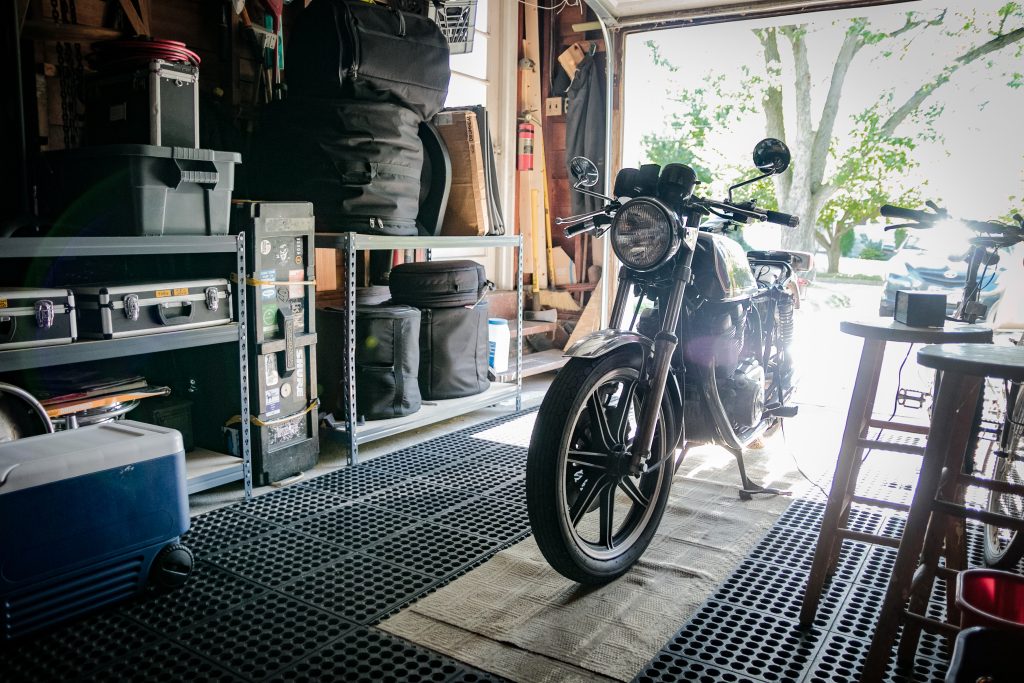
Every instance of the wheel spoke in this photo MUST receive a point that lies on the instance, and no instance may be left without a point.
(607, 510)
(634, 493)
(596, 460)
(586, 499)
(599, 422)
(620, 418)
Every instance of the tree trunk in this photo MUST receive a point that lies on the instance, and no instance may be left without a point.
(835, 252)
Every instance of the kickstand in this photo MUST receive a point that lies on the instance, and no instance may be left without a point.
(750, 489)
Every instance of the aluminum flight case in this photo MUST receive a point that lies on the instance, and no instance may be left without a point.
(90, 516)
(151, 308)
(282, 336)
(31, 317)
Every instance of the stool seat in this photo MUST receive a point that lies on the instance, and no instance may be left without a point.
(976, 360)
(887, 329)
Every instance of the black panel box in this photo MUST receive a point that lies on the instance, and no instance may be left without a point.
(920, 309)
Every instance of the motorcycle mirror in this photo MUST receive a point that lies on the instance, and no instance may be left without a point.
(584, 172)
(771, 156)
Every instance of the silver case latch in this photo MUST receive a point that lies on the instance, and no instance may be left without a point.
(131, 306)
(45, 315)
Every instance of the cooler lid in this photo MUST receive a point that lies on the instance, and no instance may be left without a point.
(44, 459)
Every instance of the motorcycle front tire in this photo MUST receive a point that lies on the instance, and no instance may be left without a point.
(548, 446)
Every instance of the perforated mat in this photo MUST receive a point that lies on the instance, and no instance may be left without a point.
(748, 630)
(287, 586)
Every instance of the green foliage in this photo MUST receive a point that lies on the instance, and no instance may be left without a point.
(900, 236)
(846, 242)
(872, 251)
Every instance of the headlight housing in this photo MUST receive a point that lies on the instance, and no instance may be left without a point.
(644, 234)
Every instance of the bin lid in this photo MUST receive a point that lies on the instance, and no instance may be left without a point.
(185, 153)
(47, 458)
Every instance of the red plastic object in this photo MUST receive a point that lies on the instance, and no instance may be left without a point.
(987, 597)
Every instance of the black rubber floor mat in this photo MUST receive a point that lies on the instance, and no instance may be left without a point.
(262, 636)
(842, 658)
(746, 642)
(276, 558)
(163, 661)
(434, 550)
(220, 529)
(472, 477)
(290, 504)
(210, 590)
(75, 649)
(360, 588)
(668, 668)
(411, 463)
(354, 526)
(807, 514)
(779, 590)
(354, 482)
(487, 517)
(795, 548)
(418, 498)
(367, 654)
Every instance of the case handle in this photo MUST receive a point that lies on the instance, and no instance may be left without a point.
(8, 326)
(161, 312)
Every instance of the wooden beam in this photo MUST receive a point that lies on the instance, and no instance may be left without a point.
(72, 33)
(132, 15)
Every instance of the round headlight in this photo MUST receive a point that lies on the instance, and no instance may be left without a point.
(643, 234)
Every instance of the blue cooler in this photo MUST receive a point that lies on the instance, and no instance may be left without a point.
(87, 517)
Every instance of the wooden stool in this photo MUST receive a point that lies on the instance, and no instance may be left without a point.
(939, 495)
(858, 420)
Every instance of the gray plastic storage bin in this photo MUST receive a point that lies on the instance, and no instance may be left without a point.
(137, 190)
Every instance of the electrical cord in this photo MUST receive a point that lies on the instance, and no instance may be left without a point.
(135, 51)
(895, 401)
(796, 463)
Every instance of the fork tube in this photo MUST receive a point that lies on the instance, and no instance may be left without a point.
(621, 297)
(664, 346)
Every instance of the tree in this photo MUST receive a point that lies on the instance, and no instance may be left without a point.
(834, 181)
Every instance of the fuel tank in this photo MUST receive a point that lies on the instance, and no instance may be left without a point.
(720, 269)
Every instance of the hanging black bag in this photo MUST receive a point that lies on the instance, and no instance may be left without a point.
(363, 51)
(359, 163)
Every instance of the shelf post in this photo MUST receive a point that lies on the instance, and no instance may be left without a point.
(243, 368)
(519, 325)
(350, 347)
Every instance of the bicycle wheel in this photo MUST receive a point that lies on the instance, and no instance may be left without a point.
(1004, 547)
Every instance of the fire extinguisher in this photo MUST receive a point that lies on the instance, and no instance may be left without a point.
(524, 147)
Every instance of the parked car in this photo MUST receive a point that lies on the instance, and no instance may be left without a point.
(934, 260)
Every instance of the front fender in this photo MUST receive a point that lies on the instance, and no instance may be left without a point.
(603, 342)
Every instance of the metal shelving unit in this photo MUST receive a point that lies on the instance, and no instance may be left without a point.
(206, 469)
(349, 244)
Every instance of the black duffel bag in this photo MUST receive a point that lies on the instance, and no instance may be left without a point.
(363, 51)
(453, 351)
(387, 359)
(438, 284)
(359, 163)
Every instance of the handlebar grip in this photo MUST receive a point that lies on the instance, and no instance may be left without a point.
(580, 228)
(898, 212)
(783, 219)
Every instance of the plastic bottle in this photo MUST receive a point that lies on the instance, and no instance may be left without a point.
(498, 340)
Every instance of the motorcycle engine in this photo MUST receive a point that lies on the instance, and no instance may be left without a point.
(743, 394)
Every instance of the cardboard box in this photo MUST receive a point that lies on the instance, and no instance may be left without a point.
(467, 202)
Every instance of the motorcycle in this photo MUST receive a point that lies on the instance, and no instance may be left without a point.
(706, 357)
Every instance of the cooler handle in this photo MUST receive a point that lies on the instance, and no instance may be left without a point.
(175, 319)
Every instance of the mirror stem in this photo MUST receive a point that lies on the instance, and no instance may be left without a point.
(592, 194)
(747, 182)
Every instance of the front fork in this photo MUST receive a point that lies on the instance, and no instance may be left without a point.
(665, 343)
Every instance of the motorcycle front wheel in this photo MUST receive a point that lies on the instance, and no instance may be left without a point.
(591, 519)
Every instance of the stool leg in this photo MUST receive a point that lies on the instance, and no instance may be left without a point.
(843, 483)
(947, 413)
